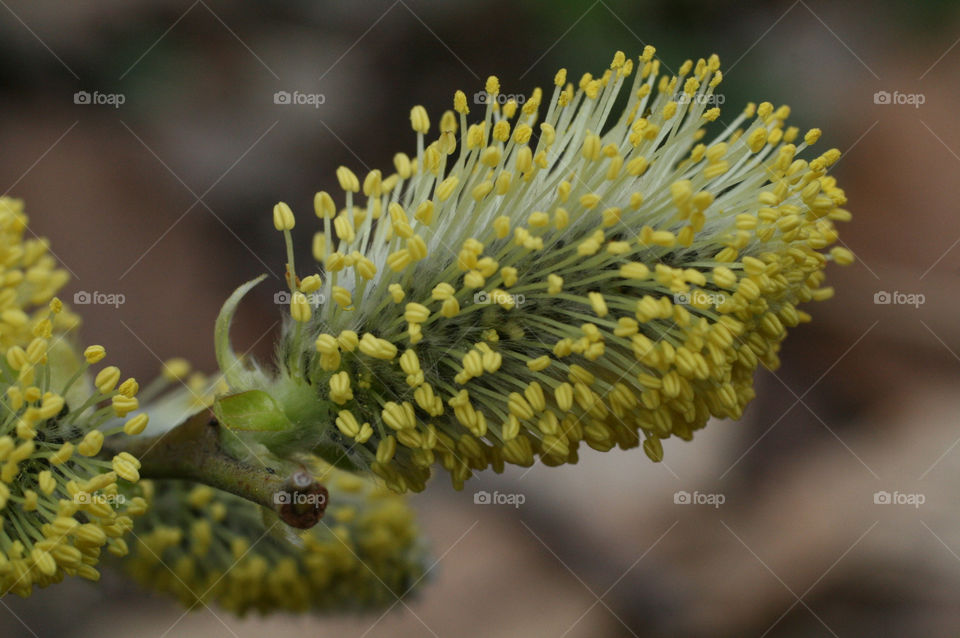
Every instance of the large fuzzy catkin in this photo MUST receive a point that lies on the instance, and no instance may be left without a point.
(561, 270)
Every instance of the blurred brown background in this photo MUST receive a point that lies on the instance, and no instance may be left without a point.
(165, 199)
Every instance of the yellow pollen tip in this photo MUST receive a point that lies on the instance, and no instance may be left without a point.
(283, 217)
(419, 120)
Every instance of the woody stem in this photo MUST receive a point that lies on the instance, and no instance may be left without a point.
(193, 451)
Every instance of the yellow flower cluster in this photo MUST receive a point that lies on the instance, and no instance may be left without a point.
(60, 505)
(201, 544)
(559, 272)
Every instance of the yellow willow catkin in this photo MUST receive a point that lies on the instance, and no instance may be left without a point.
(555, 272)
(60, 504)
(200, 542)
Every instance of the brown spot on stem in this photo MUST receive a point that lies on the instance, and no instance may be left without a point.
(302, 501)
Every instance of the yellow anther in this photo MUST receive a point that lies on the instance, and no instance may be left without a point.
(419, 120)
(283, 217)
(348, 180)
(94, 354)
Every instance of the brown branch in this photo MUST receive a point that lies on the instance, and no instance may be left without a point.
(193, 451)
